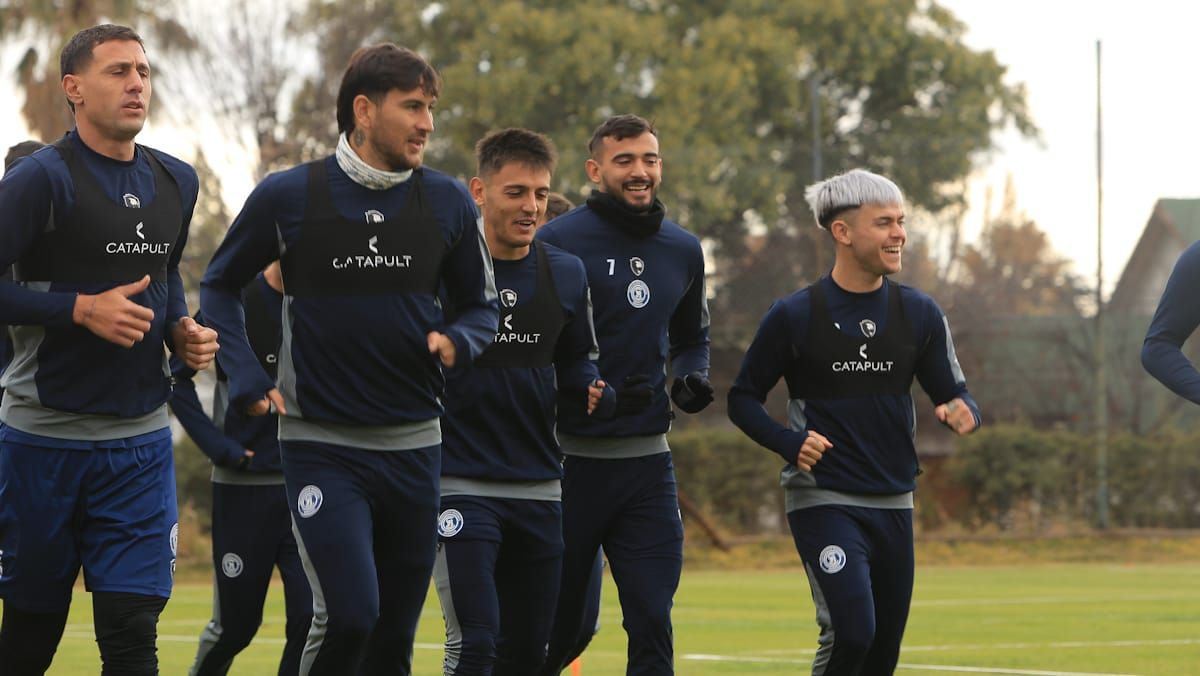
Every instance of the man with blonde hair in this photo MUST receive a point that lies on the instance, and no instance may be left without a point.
(848, 348)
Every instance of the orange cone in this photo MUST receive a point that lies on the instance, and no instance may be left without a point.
(577, 667)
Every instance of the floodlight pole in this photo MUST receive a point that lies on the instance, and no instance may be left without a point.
(1100, 361)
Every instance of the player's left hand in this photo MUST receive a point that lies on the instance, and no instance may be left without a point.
(692, 392)
(195, 344)
(442, 347)
(956, 415)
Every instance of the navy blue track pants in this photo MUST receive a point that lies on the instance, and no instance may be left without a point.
(497, 575)
(251, 535)
(630, 506)
(860, 570)
(366, 525)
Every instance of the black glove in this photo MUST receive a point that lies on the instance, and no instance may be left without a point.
(692, 392)
(633, 396)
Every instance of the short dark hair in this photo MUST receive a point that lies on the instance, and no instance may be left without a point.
(374, 71)
(557, 205)
(527, 147)
(20, 150)
(620, 127)
(78, 52)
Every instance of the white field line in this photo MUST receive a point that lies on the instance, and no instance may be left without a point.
(1011, 601)
(784, 660)
(1125, 643)
(923, 667)
(266, 640)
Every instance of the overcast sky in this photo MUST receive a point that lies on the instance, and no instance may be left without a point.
(1150, 116)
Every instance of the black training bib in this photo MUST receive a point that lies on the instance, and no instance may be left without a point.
(100, 240)
(528, 332)
(832, 364)
(335, 256)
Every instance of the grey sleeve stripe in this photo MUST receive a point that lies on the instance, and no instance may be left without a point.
(797, 420)
(594, 353)
(489, 278)
(951, 357)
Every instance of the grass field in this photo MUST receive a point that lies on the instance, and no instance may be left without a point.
(1041, 619)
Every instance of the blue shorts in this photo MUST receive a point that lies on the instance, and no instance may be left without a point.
(111, 510)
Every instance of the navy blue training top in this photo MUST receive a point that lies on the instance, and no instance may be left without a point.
(499, 423)
(873, 436)
(99, 400)
(1174, 321)
(385, 375)
(649, 306)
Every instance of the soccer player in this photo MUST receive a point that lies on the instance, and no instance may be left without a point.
(95, 226)
(848, 348)
(366, 237)
(646, 276)
(557, 204)
(500, 529)
(1174, 321)
(251, 523)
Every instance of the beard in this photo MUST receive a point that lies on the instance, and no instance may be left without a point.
(617, 190)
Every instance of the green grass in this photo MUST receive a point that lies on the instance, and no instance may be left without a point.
(1075, 618)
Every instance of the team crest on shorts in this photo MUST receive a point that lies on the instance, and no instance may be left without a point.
(450, 522)
(231, 565)
(638, 294)
(833, 559)
(309, 501)
(175, 539)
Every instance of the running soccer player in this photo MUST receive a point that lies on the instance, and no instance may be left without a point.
(500, 529)
(251, 523)
(366, 237)
(646, 276)
(848, 348)
(95, 226)
(557, 204)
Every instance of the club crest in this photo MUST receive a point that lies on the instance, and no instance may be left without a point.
(508, 297)
(637, 265)
(450, 523)
(868, 328)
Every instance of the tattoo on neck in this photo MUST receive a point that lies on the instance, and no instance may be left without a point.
(359, 137)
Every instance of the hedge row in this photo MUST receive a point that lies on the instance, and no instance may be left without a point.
(1003, 477)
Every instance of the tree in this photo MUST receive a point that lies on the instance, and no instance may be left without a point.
(1016, 308)
(46, 26)
(728, 86)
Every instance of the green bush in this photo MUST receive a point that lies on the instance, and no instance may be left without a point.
(732, 479)
(193, 484)
(1015, 477)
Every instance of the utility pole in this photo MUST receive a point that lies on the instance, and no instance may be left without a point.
(1100, 360)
